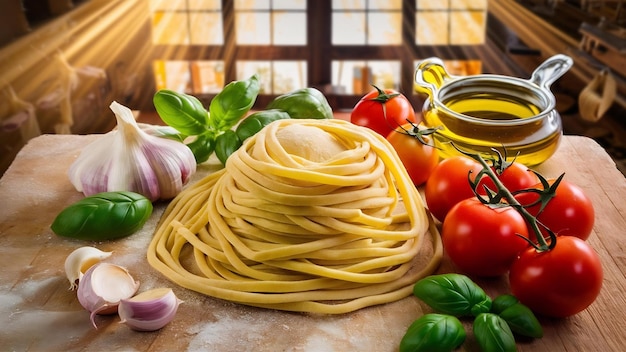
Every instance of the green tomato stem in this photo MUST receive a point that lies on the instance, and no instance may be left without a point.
(383, 97)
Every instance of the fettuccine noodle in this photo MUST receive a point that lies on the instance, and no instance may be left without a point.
(313, 216)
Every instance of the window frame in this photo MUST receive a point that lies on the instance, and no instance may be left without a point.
(319, 40)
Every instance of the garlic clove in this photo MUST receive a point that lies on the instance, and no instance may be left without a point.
(103, 286)
(150, 310)
(80, 260)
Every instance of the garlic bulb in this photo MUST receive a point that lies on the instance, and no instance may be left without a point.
(103, 286)
(150, 310)
(80, 260)
(129, 159)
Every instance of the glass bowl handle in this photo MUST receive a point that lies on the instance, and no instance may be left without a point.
(430, 75)
(550, 70)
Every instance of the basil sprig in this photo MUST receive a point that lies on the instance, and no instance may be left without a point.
(496, 323)
(212, 130)
(187, 114)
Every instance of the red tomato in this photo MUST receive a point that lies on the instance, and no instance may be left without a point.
(515, 177)
(569, 213)
(448, 184)
(560, 282)
(482, 240)
(382, 111)
(418, 158)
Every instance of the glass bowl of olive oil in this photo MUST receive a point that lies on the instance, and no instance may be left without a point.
(480, 112)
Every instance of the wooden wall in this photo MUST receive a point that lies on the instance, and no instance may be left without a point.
(60, 76)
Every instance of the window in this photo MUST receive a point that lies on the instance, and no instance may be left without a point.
(187, 22)
(367, 22)
(276, 77)
(450, 22)
(341, 47)
(270, 22)
(191, 77)
(356, 77)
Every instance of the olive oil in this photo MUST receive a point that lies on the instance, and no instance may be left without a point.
(491, 106)
(478, 113)
(484, 121)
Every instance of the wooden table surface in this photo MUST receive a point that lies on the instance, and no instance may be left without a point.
(39, 313)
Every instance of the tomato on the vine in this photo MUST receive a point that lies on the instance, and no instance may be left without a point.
(449, 184)
(418, 157)
(382, 111)
(569, 213)
(514, 177)
(559, 282)
(481, 239)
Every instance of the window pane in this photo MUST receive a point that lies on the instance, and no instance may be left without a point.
(384, 28)
(289, 4)
(468, 4)
(206, 28)
(346, 76)
(169, 28)
(169, 5)
(252, 28)
(348, 28)
(172, 75)
(385, 4)
(385, 74)
(289, 28)
(288, 76)
(357, 77)
(431, 5)
(348, 4)
(204, 4)
(207, 76)
(431, 28)
(467, 27)
(245, 69)
(252, 4)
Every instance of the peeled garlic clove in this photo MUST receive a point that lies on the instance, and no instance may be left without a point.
(150, 310)
(129, 159)
(80, 260)
(102, 288)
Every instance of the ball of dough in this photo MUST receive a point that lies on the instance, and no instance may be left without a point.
(309, 142)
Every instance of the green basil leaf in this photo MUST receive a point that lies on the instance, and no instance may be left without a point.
(306, 103)
(167, 132)
(522, 320)
(202, 147)
(503, 302)
(233, 102)
(182, 111)
(103, 216)
(433, 333)
(493, 333)
(454, 294)
(252, 124)
(226, 144)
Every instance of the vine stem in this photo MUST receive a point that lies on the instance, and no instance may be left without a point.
(504, 193)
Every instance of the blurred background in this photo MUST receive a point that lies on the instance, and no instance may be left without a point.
(62, 62)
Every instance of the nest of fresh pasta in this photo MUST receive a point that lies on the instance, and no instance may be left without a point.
(313, 216)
